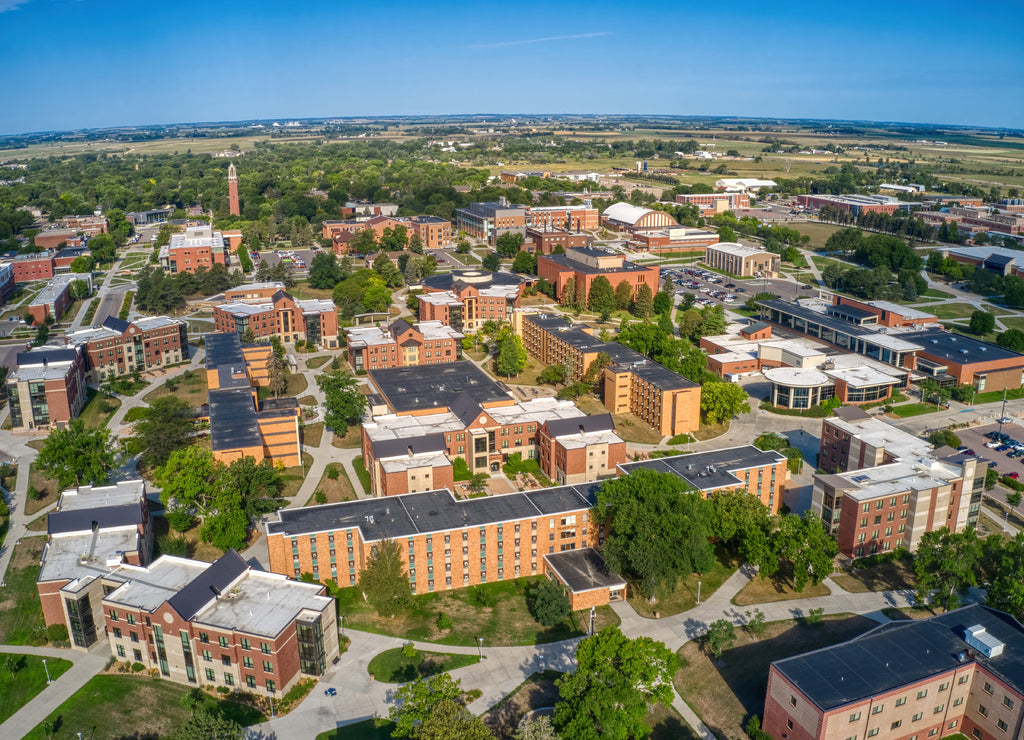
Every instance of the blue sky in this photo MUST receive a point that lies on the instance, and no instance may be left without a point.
(67, 64)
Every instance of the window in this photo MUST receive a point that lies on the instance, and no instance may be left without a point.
(922, 694)
(896, 724)
(917, 716)
(222, 641)
(229, 679)
(792, 701)
(943, 686)
(958, 701)
(902, 700)
(855, 716)
(963, 680)
(953, 724)
(1001, 725)
(983, 710)
(131, 618)
(117, 632)
(245, 644)
(988, 688)
(250, 681)
(225, 659)
(1008, 702)
(877, 709)
(872, 732)
(207, 656)
(270, 686)
(977, 733)
(120, 651)
(210, 675)
(268, 667)
(247, 662)
(938, 708)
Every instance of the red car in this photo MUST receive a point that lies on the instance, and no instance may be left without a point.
(1015, 475)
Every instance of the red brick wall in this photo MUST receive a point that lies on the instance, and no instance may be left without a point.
(33, 269)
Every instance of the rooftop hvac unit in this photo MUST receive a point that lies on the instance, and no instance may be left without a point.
(979, 639)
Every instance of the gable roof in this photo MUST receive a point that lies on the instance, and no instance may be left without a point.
(208, 585)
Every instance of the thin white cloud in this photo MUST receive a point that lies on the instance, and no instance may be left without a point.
(546, 39)
(6, 5)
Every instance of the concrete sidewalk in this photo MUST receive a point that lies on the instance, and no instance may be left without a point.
(86, 665)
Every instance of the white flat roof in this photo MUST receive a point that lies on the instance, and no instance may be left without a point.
(795, 376)
(737, 250)
(67, 555)
(905, 311)
(93, 497)
(404, 462)
(861, 377)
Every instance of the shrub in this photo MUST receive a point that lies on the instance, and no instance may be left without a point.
(35, 494)
(223, 690)
(320, 497)
(815, 616)
(333, 472)
(460, 469)
(444, 622)
(137, 667)
(179, 519)
(409, 651)
(755, 623)
(57, 632)
(721, 636)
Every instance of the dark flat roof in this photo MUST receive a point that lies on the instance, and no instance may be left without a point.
(708, 471)
(595, 423)
(958, 348)
(233, 422)
(831, 322)
(224, 354)
(583, 570)
(431, 511)
(851, 311)
(208, 585)
(383, 448)
(46, 354)
(81, 520)
(571, 264)
(445, 280)
(435, 386)
(902, 653)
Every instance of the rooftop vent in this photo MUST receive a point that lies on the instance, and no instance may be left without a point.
(979, 639)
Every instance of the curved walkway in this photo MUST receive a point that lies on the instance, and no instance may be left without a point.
(504, 668)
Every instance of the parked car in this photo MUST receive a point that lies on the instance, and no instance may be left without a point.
(1015, 475)
(1005, 420)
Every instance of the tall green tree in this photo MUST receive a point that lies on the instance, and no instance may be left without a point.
(525, 263)
(383, 266)
(658, 529)
(384, 580)
(623, 295)
(512, 358)
(343, 403)
(205, 724)
(602, 297)
(720, 401)
(549, 604)
(643, 303)
(323, 271)
(77, 455)
(415, 702)
(492, 261)
(166, 425)
(982, 322)
(568, 297)
(804, 543)
(616, 679)
(509, 244)
(946, 565)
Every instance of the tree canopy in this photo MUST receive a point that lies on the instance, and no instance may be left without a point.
(384, 580)
(77, 455)
(166, 425)
(343, 403)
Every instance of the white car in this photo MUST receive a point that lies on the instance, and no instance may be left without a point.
(992, 445)
(1006, 420)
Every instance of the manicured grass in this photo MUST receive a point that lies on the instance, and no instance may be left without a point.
(727, 691)
(38, 480)
(368, 729)
(315, 362)
(710, 431)
(312, 433)
(392, 666)
(935, 293)
(29, 679)
(190, 387)
(915, 409)
(892, 576)
(764, 589)
(952, 310)
(364, 477)
(339, 489)
(295, 475)
(993, 396)
(308, 400)
(351, 440)
(634, 429)
(495, 611)
(818, 231)
(98, 410)
(19, 600)
(111, 706)
(684, 596)
(527, 377)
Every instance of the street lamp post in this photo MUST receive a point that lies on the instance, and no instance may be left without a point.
(341, 621)
(698, 593)
(593, 611)
(48, 681)
(480, 646)
(271, 705)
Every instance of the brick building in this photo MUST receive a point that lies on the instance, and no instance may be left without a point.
(199, 246)
(953, 673)
(93, 530)
(242, 425)
(29, 267)
(852, 439)
(403, 344)
(488, 221)
(222, 624)
(467, 299)
(711, 203)
(584, 265)
(572, 218)
(632, 383)
(54, 238)
(434, 232)
(7, 282)
(446, 543)
(853, 204)
(434, 415)
(88, 225)
(253, 292)
(891, 506)
(674, 239)
(313, 321)
(741, 260)
(761, 473)
(53, 300)
(630, 218)
(544, 241)
(119, 347)
(48, 387)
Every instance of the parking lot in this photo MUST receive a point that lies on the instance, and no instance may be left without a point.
(696, 280)
(975, 439)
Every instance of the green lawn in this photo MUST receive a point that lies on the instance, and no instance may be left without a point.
(98, 410)
(729, 690)
(915, 409)
(368, 729)
(392, 666)
(315, 362)
(111, 706)
(496, 612)
(951, 310)
(993, 396)
(684, 596)
(364, 477)
(29, 679)
(190, 387)
(19, 600)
